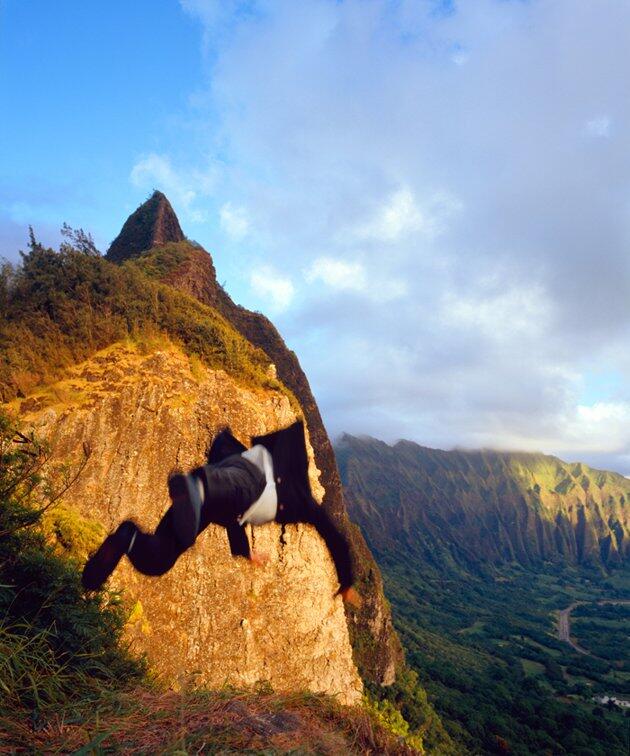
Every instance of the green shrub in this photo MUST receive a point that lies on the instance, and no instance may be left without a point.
(57, 645)
(389, 717)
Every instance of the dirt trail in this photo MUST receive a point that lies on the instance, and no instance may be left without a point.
(564, 622)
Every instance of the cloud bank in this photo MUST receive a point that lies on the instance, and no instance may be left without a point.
(436, 198)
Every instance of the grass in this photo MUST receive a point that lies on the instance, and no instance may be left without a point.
(107, 370)
(474, 629)
(226, 721)
(536, 669)
(73, 535)
(554, 652)
(158, 262)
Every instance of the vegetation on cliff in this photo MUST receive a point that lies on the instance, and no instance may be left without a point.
(57, 308)
(152, 224)
(228, 721)
(57, 646)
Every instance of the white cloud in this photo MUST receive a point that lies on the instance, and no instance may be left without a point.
(273, 287)
(401, 216)
(184, 188)
(433, 148)
(604, 412)
(352, 276)
(386, 290)
(337, 274)
(520, 311)
(599, 127)
(602, 426)
(234, 221)
(398, 217)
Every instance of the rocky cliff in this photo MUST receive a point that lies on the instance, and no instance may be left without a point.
(189, 268)
(145, 410)
(64, 308)
(476, 508)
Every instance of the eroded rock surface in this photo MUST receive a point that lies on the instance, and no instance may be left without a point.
(213, 618)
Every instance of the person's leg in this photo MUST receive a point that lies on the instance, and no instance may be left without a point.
(187, 494)
(219, 494)
(228, 489)
(155, 553)
(104, 561)
(151, 554)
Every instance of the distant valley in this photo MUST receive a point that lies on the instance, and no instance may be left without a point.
(481, 552)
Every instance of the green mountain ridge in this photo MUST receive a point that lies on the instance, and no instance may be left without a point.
(482, 508)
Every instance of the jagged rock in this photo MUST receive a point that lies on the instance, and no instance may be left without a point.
(41, 345)
(212, 618)
(153, 224)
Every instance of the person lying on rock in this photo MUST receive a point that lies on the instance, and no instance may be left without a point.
(238, 486)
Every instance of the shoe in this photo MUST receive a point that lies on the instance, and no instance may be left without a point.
(186, 512)
(103, 562)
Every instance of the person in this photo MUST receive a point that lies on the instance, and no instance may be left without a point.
(238, 486)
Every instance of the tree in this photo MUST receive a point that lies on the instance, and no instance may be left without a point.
(78, 241)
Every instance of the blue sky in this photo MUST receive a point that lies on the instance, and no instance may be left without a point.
(431, 200)
(89, 86)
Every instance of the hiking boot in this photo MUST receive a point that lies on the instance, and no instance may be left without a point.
(103, 562)
(185, 492)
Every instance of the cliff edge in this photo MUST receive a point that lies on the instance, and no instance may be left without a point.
(212, 619)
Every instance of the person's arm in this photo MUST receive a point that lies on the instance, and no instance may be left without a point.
(239, 543)
(336, 542)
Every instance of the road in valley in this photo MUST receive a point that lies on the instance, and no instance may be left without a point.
(564, 627)
(564, 622)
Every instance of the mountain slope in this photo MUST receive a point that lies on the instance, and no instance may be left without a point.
(482, 508)
(189, 268)
(112, 355)
(145, 410)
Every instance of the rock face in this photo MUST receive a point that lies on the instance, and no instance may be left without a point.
(482, 508)
(154, 223)
(190, 269)
(212, 618)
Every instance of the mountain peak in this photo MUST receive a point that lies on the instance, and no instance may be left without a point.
(154, 223)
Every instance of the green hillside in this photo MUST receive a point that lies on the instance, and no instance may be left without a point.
(479, 552)
(58, 308)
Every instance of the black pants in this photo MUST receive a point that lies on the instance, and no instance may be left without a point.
(230, 487)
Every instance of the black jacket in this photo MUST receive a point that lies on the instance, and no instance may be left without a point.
(295, 500)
